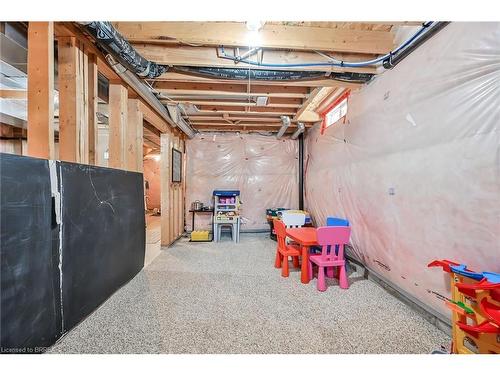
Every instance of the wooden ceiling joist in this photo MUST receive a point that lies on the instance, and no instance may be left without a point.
(236, 111)
(272, 102)
(237, 123)
(271, 36)
(179, 77)
(249, 109)
(208, 119)
(207, 56)
(305, 113)
(237, 89)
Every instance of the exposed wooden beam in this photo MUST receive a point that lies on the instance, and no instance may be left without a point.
(68, 29)
(235, 89)
(178, 77)
(292, 103)
(41, 90)
(240, 129)
(153, 118)
(13, 94)
(322, 105)
(250, 112)
(92, 107)
(207, 56)
(207, 119)
(248, 109)
(240, 124)
(134, 137)
(271, 36)
(165, 178)
(312, 102)
(117, 125)
(73, 101)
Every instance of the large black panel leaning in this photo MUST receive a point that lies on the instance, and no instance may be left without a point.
(30, 308)
(103, 235)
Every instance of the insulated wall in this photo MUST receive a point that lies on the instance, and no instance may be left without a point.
(415, 168)
(263, 168)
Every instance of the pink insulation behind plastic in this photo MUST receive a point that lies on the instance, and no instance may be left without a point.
(415, 168)
(263, 168)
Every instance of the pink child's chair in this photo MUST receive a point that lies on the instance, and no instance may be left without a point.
(330, 236)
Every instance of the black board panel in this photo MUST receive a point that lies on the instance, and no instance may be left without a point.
(103, 235)
(29, 286)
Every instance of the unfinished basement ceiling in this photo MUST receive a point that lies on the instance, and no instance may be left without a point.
(255, 98)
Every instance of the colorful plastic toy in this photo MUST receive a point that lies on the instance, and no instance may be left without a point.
(475, 306)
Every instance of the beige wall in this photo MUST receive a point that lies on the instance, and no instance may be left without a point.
(152, 175)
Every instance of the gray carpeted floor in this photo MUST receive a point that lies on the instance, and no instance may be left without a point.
(229, 298)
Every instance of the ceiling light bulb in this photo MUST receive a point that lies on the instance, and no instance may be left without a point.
(254, 25)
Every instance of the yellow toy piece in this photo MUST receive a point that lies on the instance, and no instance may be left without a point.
(200, 235)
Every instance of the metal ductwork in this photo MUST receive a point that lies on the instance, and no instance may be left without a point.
(110, 40)
(300, 129)
(145, 92)
(285, 120)
(129, 64)
(174, 110)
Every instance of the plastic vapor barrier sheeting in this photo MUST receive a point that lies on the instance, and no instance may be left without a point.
(263, 168)
(415, 168)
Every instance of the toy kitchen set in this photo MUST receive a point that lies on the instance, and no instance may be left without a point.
(226, 214)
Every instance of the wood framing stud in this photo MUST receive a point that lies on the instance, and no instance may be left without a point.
(134, 137)
(92, 108)
(73, 101)
(117, 125)
(41, 90)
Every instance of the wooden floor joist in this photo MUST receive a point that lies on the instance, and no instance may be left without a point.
(237, 89)
(325, 82)
(207, 56)
(271, 36)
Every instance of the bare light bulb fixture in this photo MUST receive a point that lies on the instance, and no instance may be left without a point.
(253, 37)
(254, 25)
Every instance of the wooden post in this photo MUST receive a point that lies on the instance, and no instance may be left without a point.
(117, 125)
(73, 101)
(41, 90)
(176, 200)
(165, 188)
(133, 138)
(92, 108)
(182, 145)
(172, 196)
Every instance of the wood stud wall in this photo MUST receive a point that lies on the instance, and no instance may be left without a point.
(41, 89)
(172, 194)
(78, 67)
(73, 101)
(92, 108)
